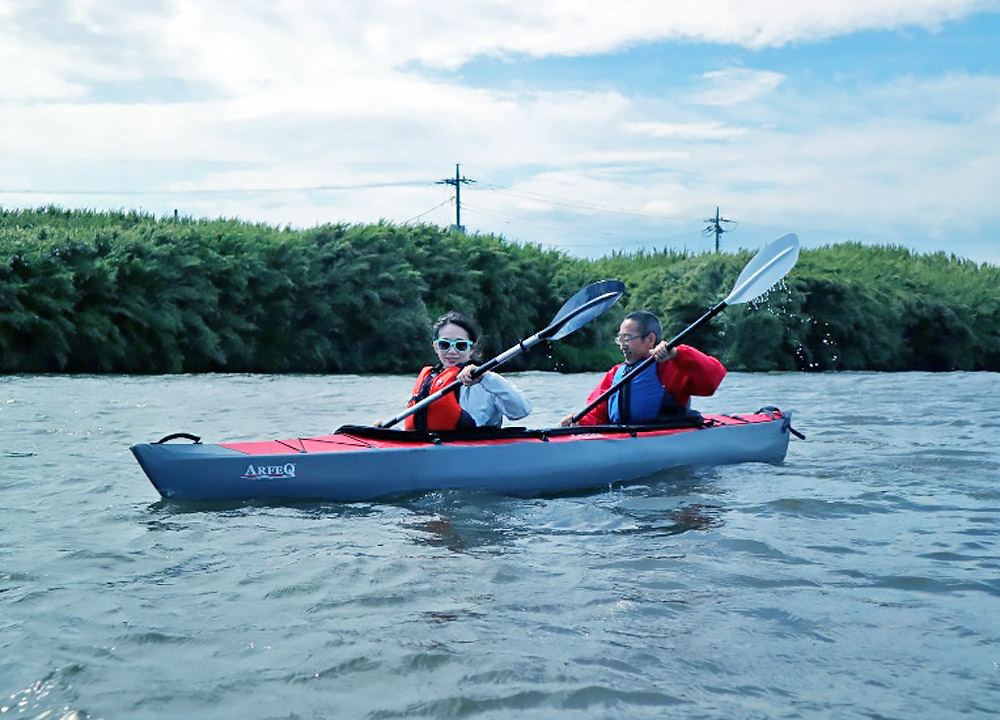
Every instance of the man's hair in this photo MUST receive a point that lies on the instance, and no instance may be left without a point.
(647, 322)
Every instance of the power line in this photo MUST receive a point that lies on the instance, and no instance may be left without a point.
(536, 223)
(221, 191)
(583, 206)
(576, 230)
(425, 212)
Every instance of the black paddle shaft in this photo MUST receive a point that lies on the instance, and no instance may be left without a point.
(767, 267)
(576, 312)
(674, 342)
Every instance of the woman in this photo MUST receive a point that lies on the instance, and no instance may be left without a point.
(479, 402)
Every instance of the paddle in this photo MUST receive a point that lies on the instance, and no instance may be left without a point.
(767, 267)
(579, 310)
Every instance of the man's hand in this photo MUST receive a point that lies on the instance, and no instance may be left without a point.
(662, 353)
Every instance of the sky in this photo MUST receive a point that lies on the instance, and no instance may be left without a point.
(589, 127)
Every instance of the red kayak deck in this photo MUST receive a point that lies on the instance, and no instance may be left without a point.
(346, 442)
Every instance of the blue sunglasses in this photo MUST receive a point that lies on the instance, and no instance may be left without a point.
(460, 345)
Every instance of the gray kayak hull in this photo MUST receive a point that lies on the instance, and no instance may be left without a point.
(348, 466)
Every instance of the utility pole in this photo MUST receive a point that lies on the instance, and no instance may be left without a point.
(716, 227)
(457, 182)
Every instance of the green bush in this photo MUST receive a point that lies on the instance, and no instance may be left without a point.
(93, 292)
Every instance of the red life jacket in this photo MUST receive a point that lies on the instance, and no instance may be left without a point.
(444, 413)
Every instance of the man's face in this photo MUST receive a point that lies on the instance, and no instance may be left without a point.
(634, 346)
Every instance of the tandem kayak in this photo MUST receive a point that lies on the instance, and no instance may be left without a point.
(364, 463)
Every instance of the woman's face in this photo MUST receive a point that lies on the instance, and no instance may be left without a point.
(449, 339)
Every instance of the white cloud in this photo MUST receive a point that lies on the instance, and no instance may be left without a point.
(209, 96)
(711, 130)
(734, 86)
(449, 32)
(32, 72)
(248, 46)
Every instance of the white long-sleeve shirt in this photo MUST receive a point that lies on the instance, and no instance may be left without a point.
(493, 398)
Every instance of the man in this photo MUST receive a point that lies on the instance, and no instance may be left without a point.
(664, 389)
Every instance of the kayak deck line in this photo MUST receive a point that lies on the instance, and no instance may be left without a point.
(351, 437)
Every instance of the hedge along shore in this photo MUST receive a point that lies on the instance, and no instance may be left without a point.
(125, 292)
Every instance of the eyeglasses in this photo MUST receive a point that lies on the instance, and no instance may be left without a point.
(461, 345)
(625, 339)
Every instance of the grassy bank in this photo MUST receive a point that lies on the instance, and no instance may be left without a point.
(90, 292)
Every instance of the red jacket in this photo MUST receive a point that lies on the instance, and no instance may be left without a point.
(692, 372)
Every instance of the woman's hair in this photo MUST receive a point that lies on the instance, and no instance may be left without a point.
(456, 318)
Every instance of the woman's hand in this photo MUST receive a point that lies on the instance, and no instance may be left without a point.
(465, 375)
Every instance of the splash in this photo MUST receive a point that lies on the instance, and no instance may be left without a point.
(777, 302)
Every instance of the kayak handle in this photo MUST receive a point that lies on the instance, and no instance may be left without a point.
(179, 436)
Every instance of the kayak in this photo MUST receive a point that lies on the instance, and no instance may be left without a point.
(364, 463)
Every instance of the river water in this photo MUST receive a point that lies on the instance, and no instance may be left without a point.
(860, 579)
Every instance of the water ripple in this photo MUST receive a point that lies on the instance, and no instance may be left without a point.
(858, 579)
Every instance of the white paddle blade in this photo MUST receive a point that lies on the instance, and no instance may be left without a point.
(765, 270)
